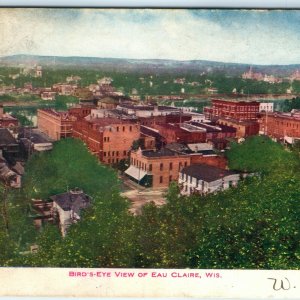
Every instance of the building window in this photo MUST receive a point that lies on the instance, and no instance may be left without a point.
(104, 139)
(185, 163)
(171, 166)
(170, 178)
(108, 153)
(109, 160)
(161, 166)
(123, 128)
(124, 152)
(150, 167)
(113, 153)
(117, 153)
(130, 128)
(104, 153)
(117, 128)
(160, 179)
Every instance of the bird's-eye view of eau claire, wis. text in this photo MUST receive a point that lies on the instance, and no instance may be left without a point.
(150, 138)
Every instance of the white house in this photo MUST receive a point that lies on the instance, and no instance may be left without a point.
(204, 179)
(67, 207)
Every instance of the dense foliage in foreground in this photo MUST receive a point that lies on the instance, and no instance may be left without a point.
(255, 225)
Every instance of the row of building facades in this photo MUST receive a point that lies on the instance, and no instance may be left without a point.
(161, 142)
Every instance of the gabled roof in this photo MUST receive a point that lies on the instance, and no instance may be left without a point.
(206, 172)
(72, 200)
(6, 137)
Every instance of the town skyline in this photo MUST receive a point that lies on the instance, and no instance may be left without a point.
(261, 37)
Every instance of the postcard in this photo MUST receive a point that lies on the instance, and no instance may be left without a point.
(149, 152)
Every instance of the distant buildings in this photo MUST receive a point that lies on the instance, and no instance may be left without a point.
(65, 89)
(38, 71)
(260, 77)
(48, 95)
(295, 76)
(203, 179)
(211, 91)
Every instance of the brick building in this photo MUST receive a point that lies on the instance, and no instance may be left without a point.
(171, 118)
(110, 139)
(55, 124)
(156, 168)
(239, 110)
(216, 131)
(243, 128)
(280, 125)
(181, 133)
(80, 111)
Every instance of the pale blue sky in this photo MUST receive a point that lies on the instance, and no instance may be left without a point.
(254, 37)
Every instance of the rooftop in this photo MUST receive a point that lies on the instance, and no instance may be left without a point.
(108, 121)
(148, 107)
(159, 153)
(206, 172)
(6, 137)
(35, 135)
(237, 101)
(212, 127)
(72, 200)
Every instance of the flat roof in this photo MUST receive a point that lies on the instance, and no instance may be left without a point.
(35, 135)
(236, 101)
(108, 121)
(159, 153)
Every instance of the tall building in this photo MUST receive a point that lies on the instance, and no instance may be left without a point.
(281, 126)
(110, 139)
(239, 110)
(55, 124)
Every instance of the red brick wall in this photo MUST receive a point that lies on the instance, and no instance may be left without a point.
(119, 141)
(279, 126)
(174, 134)
(216, 161)
(111, 143)
(54, 125)
(236, 110)
(80, 112)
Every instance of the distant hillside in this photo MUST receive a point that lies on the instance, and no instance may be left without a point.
(144, 65)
